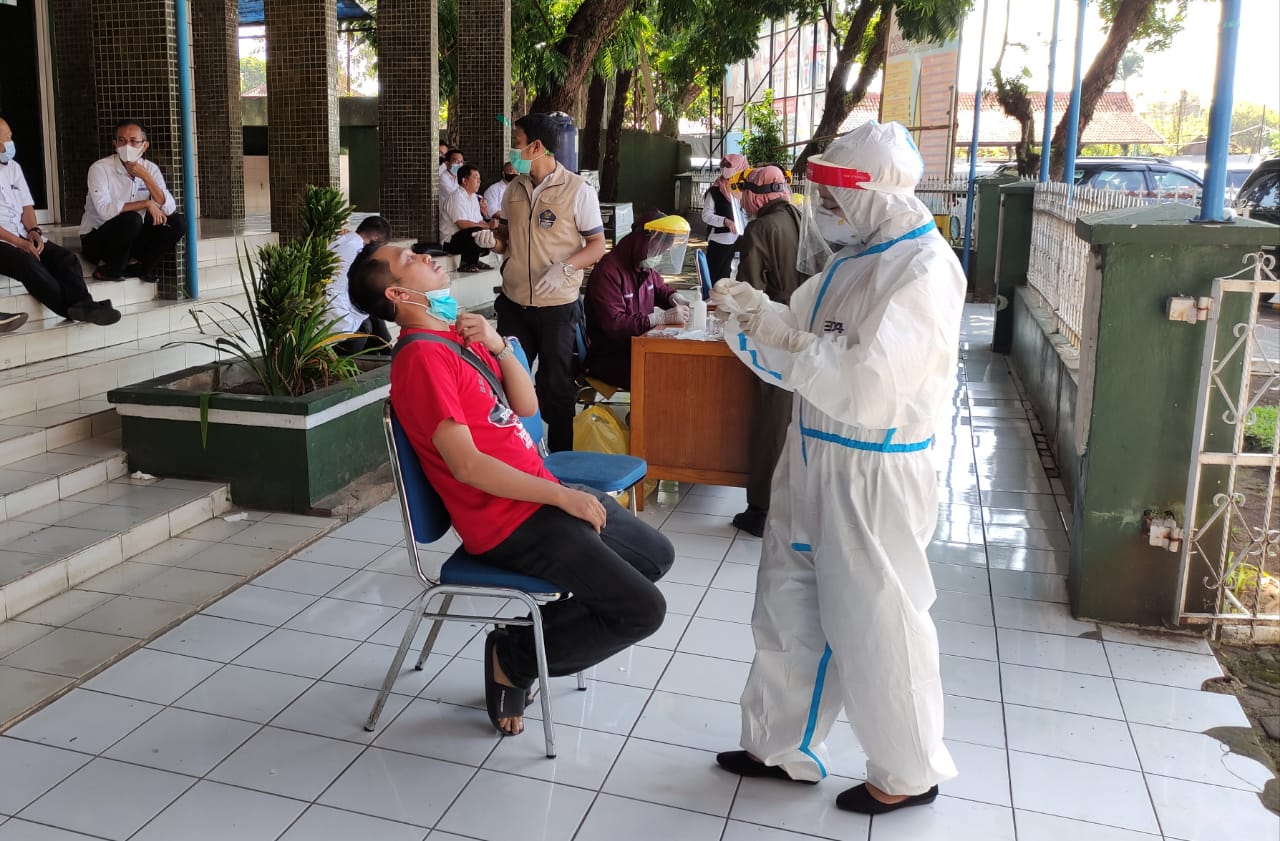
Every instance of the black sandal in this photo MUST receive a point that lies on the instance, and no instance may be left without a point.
(500, 701)
(858, 799)
(740, 762)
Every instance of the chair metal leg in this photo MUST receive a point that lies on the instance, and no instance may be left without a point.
(433, 633)
(406, 641)
(544, 677)
(582, 683)
(637, 488)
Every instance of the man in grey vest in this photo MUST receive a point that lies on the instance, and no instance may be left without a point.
(553, 233)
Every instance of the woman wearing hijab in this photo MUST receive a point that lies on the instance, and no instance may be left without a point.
(723, 217)
(767, 261)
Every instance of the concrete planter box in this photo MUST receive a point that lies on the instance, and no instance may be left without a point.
(278, 453)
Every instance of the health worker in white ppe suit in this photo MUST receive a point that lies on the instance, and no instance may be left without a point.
(869, 346)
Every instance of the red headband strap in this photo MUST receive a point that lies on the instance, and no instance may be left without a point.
(837, 176)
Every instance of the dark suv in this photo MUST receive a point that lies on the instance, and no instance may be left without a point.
(1259, 196)
(1150, 178)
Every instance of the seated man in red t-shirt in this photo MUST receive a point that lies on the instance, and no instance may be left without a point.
(507, 508)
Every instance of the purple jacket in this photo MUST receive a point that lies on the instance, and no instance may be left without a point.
(621, 294)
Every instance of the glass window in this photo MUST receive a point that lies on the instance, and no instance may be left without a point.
(1129, 182)
(1174, 185)
(1263, 194)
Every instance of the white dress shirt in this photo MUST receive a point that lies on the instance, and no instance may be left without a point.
(459, 206)
(493, 197)
(111, 188)
(345, 247)
(14, 196)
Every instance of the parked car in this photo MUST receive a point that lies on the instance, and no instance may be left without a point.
(1259, 196)
(1152, 178)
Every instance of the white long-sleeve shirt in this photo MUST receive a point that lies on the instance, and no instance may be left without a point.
(347, 248)
(493, 197)
(111, 187)
(715, 220)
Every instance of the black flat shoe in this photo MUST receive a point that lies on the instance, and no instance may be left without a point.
(858, 799)
(740, 762)
(751, 521)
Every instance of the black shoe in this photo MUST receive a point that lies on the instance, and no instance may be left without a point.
(10, 321)
(751, 521)
(858, 799)
(740, 762)
(94, 312)
(108, 274)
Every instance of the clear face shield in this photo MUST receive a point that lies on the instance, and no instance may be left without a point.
(824, 225)
(667, 239)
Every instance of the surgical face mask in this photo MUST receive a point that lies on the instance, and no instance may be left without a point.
(834, 229)
(654, 261)
(440, 303)
(726, 172)
(508, 177)
(517, 159)
(7, 152)
(129, 154)
(453, 169)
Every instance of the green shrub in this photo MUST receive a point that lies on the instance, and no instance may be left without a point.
(1260, 434)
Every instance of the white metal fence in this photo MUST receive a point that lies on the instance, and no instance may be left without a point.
(1059, 262)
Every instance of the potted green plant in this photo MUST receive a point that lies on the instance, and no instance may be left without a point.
(282, 417)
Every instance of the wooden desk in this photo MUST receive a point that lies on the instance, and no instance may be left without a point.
(690, 410)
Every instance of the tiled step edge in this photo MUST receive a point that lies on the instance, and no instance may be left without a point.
(57, 435)
(47, 489)
(59, 576)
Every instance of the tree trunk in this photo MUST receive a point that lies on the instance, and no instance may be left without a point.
(839, 102)
(1014, 101)
(1129, 16)
(589, 134)
(613, 136)
(588, 30)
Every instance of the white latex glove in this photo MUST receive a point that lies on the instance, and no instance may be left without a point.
(679, 314)
(737, 297)
(768, 328)
(679, 298)
(484, 238)
(552, 280)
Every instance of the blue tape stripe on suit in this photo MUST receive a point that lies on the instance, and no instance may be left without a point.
(812, 723)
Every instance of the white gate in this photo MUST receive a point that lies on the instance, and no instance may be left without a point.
(1231, 553)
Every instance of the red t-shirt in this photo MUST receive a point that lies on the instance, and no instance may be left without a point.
(429, 384)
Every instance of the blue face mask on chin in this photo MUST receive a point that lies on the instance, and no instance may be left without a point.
(7, 151)
(440, 303)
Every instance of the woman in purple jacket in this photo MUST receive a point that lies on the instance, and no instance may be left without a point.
(624, 290)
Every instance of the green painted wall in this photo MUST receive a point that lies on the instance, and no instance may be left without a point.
(647, 167)
(983, 269)
(1143, 400)
(1012, 254)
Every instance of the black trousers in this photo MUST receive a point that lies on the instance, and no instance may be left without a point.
(54, 278)
(547, 335)
(615, 603)
(770, 417)
(132, 235)
(374, 326)
(720, 260)
(463, 243)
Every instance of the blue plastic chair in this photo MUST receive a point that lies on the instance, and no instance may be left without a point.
(704, 272)
(425, 521)
(608, 473)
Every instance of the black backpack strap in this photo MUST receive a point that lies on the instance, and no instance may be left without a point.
(469, 358)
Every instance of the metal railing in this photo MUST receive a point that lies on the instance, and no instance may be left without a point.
(946, 199)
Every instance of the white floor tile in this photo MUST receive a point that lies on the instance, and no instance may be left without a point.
(732, 576)
(953, 606)
(638, 665)
(248, 694)
(699, 545)
(371, 530)
(970, 678)
(692, 722)
(1197, 757)
(809, 810)
(1160, 665)
(583, 757)
(1064, 691)
(210, 638)
(533, 810)
(669, 635)
(1110, 796)
(1053, 651)
(322, 823)
(1034, 826)
(708, 504)
(1070, 736)
(441, 731)
(20, 830)
(946, 819)
(672, 776)
(984, 773)
(346, 619)
(400, 787)
(961, 579)
(708, 524)
(698, 571)
(84, 721)
(705, 677)
(727, 605)
(1044, 617)
(618, 819)
(963, 639)
(957, 554)
(189, 586)
(182, 741)
(378, 588)
(610, 707)
(452, 637)
(259, 604)
(290, 764)
(296, 653)
(973, 720)
(367, 666)
(461, 682)
(745, 550)
(336, 711)
(129, 616)
(68, 652)
(108, 799)
(1197, 812)
(303, 577)
(711, 638)
(739, 831)
(1029, 585)
(214, 812)
(682, 598)
(28, 770)
(1181, 709)
(1022, 559)
(1190, 643)
(353, 554)
(156, 676)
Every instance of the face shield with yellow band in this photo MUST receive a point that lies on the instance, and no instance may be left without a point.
(666, 240)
